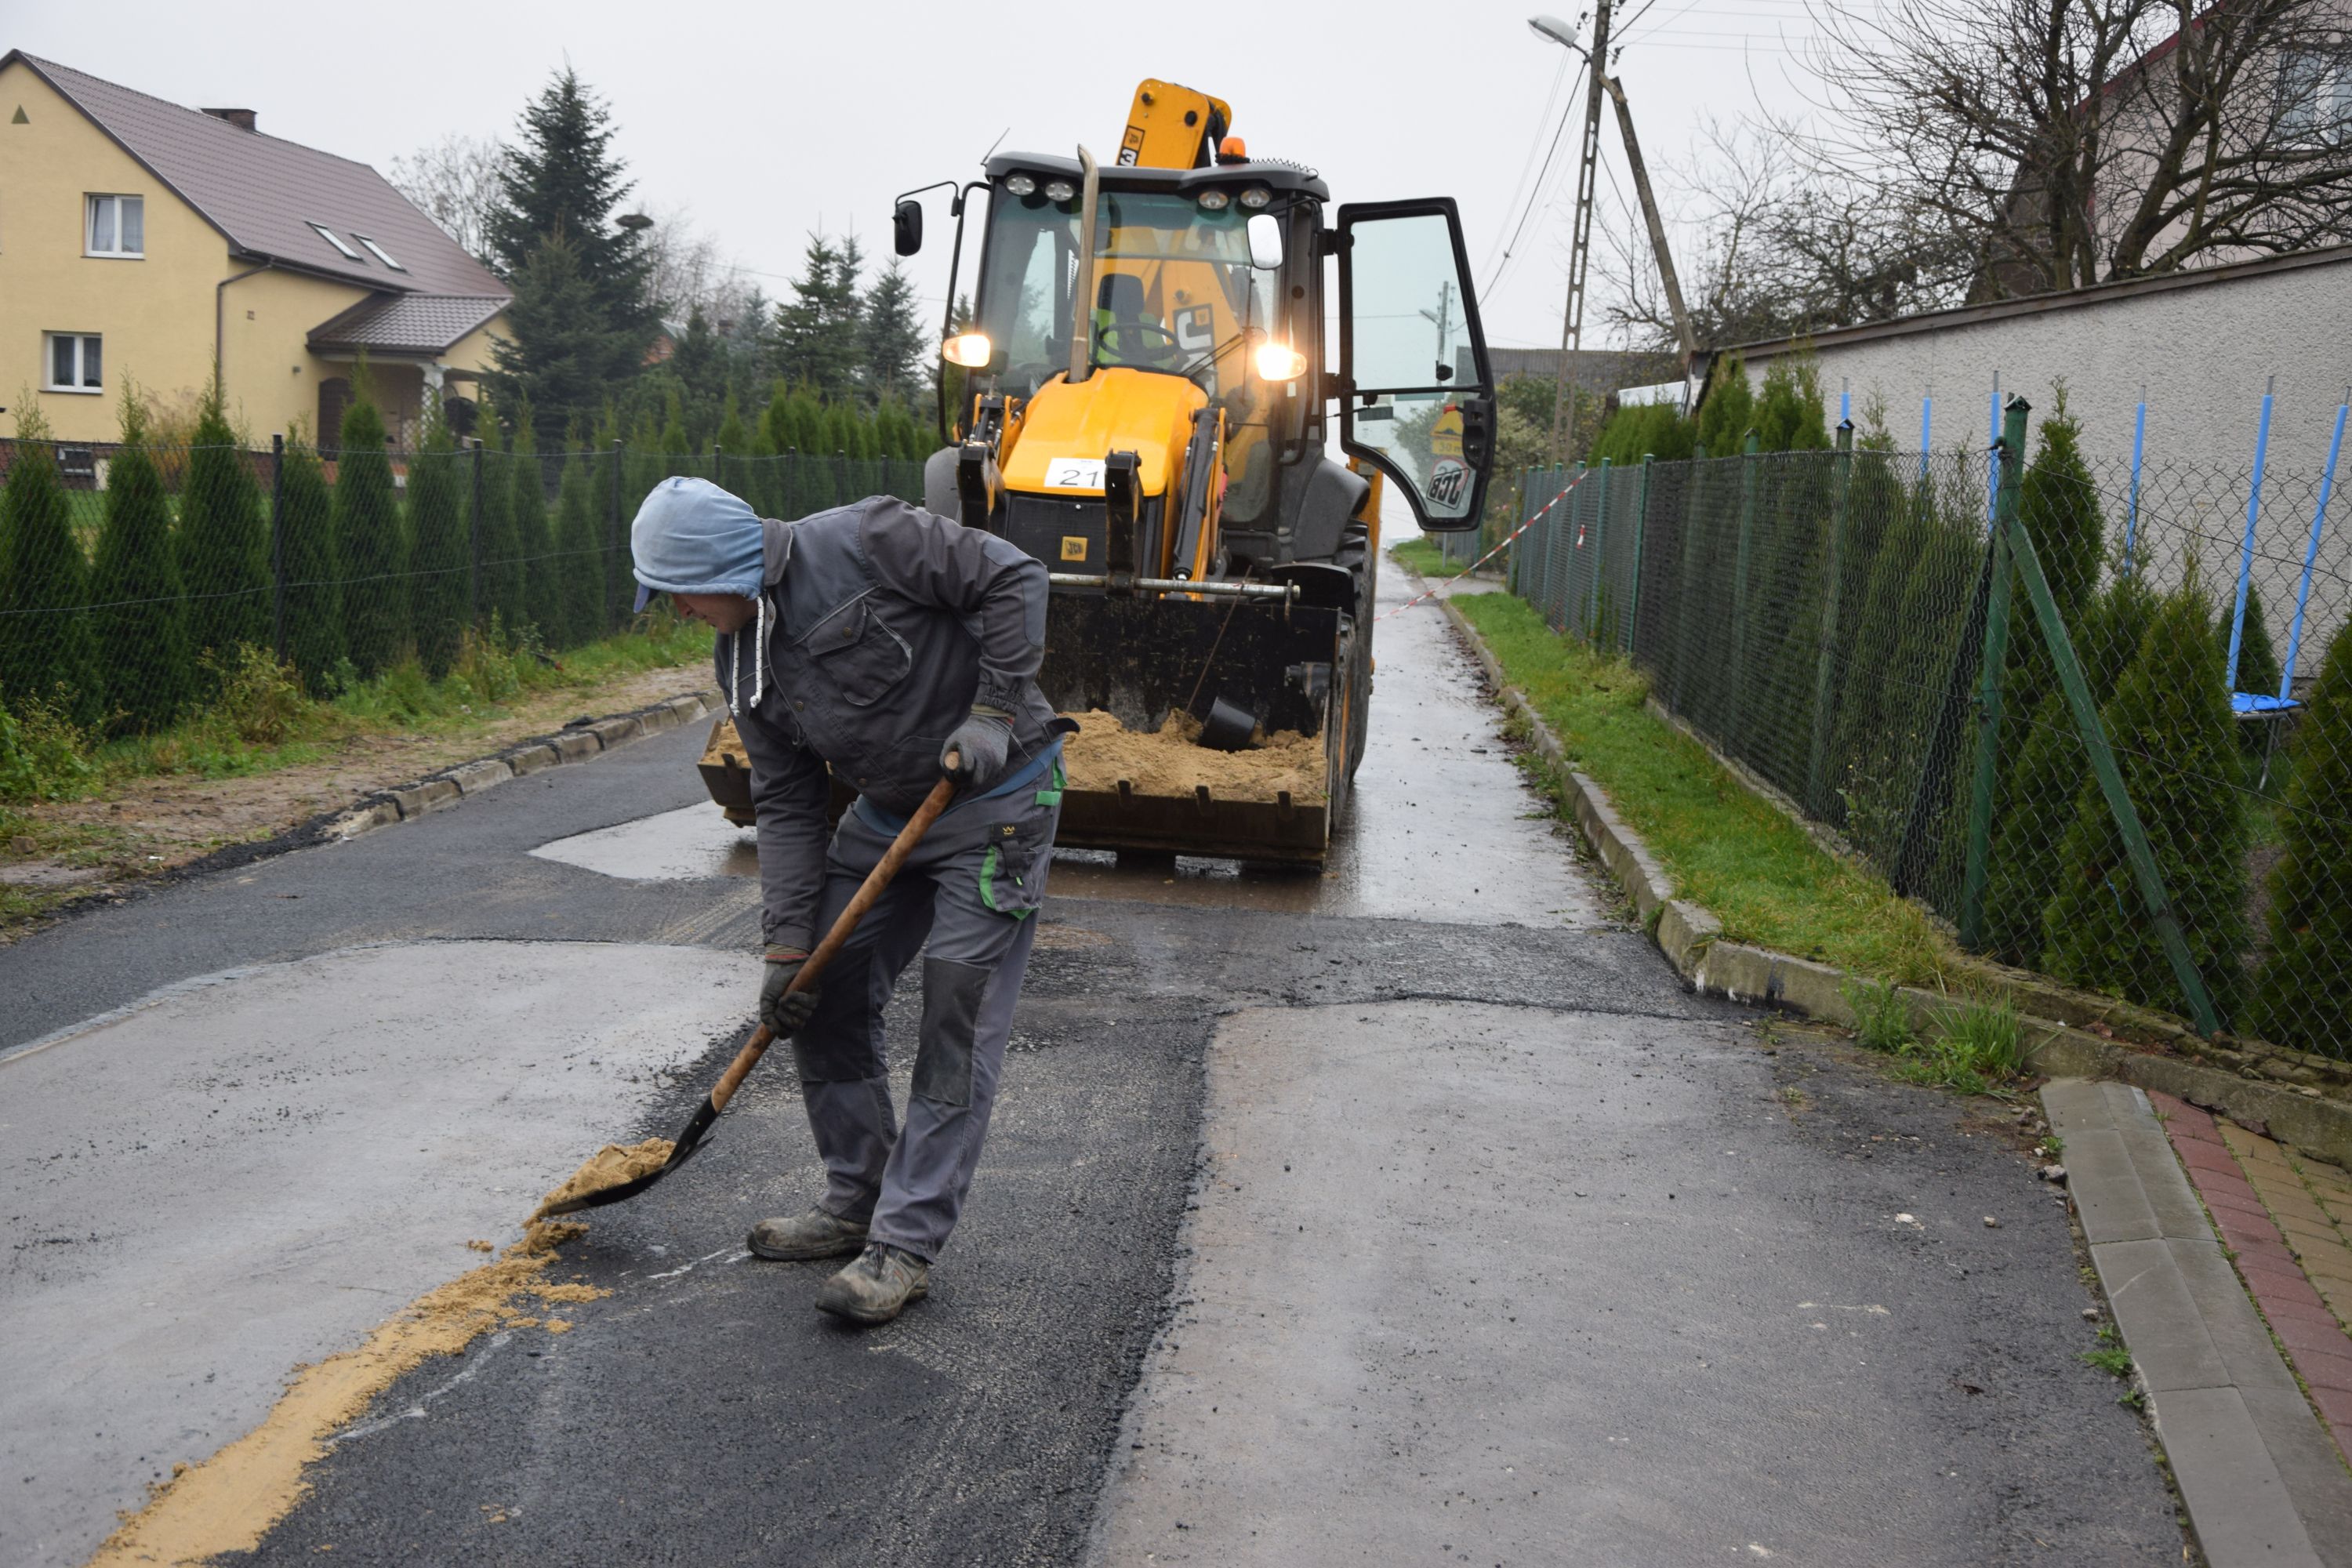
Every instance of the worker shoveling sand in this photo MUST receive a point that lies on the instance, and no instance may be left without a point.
(1167, 761)
(613, 1165)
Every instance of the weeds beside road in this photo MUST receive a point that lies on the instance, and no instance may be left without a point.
(80, 816)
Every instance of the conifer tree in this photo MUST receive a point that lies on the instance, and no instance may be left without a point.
(583, 606)
(374, 541)
(223, 538)
(676, 448)
(502, 592)
(2300, 997)
(314, 561)
(892, 341)
(2258, 659)
(439, 552)
(2168, 724)
(1789, 416)
(46, 653)
(542, 571)
(1725, 418)
(733, 467)
(818, 336)
(140, 624)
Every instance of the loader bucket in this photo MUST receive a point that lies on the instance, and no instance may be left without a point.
(1142, 660)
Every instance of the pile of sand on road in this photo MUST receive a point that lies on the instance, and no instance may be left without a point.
(1166, 762)
(610, 1166)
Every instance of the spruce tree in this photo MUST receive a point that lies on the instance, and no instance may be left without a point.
(502, 592)
(224, 539)
(313, 560)
(561, 183)
(140, 623)
(47, 652)
(581, 548)
(2300, 997)
(2168, 724)
(559, 360)
(892, 341)
(440, 556)
(816, 340)
(368, 525)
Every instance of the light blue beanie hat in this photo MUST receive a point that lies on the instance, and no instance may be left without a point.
(691, 537)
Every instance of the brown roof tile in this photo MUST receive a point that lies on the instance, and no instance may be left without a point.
(407, 324)
(263, 193)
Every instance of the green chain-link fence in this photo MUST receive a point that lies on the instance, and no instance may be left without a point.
(133, 578)
(1823, 618)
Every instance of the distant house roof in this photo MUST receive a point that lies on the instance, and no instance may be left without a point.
(264, 194)
(406, 323)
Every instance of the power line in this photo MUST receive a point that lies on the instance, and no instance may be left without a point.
(1535, 194)
(1551, 97)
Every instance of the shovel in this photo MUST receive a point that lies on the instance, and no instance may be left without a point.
(763, 1037)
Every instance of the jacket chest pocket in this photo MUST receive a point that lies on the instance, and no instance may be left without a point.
(858, 653)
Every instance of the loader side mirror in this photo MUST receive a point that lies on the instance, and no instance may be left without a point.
(907, 227)
(1265, 242)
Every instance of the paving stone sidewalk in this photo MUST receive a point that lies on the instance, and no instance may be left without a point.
(2283, 1217)
(2262, 1477)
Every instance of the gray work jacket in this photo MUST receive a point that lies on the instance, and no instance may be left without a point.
(884, 625)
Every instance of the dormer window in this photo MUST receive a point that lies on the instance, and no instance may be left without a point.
(116, 226)
(380, 253)
(331, 237)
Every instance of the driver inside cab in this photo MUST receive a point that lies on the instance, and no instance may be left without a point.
(1126, 331)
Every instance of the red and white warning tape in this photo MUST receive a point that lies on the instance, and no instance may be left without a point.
(1534, 519)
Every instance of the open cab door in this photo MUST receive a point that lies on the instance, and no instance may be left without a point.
(1417, 397)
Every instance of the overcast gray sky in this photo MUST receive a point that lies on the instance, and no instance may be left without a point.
(765, 121)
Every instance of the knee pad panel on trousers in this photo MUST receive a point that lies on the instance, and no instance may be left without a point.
(952, 997)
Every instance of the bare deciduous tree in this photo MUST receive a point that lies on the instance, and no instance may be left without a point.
(2078, 140)
(455, 183)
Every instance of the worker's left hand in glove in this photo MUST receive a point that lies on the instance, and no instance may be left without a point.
(973, 758)
(784, 1014)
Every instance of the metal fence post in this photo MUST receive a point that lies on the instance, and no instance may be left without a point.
(2093, 733)
(1992, 660)
(1685, 605)
(1600, 553)
(1641, 527)
(612, 596)
(474, 546)
(1840, 485)
(277, 545)
(1737, 723)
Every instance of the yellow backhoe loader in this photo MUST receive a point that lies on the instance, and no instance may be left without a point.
(1145, 395)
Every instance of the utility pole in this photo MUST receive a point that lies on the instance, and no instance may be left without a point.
(1657, 228)
(1580, 250)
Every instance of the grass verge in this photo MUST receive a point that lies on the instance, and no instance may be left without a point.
(1426, 556)
(1761, 874)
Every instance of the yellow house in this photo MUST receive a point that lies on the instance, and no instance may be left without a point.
(141, 239)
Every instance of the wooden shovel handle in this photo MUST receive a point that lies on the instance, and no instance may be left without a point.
(835, 940)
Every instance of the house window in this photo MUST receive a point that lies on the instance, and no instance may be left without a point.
(379, 252)
(331, 237)
(2314, 97)
(72, 363)
(116, 227)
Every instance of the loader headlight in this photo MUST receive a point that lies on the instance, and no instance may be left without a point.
(1279, 362)
(1215, 201)
(1060, 190)
(1020, 184)
(970, 350)
(1256, 197)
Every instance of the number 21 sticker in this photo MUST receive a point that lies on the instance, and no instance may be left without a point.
(1073, 473)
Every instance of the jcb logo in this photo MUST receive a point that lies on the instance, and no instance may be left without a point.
(1074, 547)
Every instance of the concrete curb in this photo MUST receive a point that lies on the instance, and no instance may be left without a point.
(2257, 1471)
(576, 743)
(1692, 940)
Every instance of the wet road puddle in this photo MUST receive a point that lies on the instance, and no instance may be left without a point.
(690, 845)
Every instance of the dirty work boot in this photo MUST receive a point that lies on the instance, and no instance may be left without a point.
(802, 1236)
(873, 1288)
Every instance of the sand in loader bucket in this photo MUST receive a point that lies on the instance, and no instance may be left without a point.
(1167, 761)
(612, 1165)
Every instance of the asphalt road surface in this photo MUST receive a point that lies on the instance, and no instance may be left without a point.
(1408, 1212)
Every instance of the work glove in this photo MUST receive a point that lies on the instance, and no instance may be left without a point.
(978, 749)
(786, 1015)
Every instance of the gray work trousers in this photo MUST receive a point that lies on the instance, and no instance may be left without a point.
(971, 887)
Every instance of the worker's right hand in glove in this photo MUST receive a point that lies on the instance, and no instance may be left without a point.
(786, 1014)
(973, 758)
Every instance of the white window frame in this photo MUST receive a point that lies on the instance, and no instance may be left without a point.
(89, 225)
(331, 237)
(49, 342)
(378, 251)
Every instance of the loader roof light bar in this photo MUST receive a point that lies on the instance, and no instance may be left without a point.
(1059, 190)
(1021, 185)
(1215, 201)
(1256, 197)
(970, 350)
